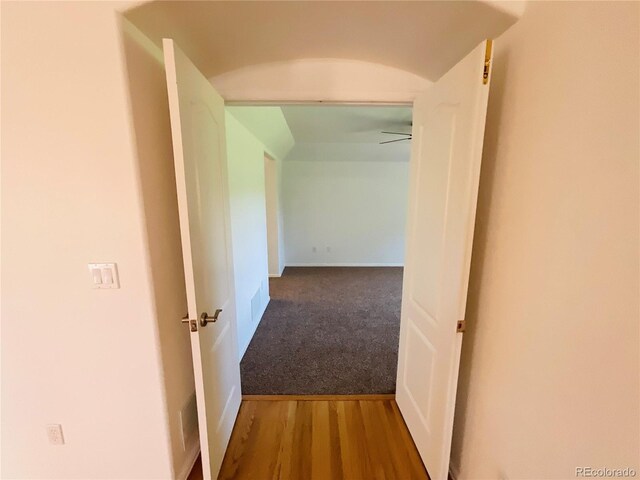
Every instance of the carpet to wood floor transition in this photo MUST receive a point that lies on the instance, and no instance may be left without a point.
(327, 331)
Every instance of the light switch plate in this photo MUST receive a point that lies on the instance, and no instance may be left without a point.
(54, 433)
(104, 275)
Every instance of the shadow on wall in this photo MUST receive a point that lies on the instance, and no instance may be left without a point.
(487, 175)
(156, 176)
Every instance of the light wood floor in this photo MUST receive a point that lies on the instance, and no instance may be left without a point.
(302, 438)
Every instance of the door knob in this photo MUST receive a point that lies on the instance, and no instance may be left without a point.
(205, 318)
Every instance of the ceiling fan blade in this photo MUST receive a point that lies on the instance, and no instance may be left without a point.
(396, 140)
(397, 133)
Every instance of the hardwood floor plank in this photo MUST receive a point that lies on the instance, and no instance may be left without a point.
(283, 465)
(334, 439)
(268, 438)
(355, 454)
(321, 440)
(312, 398)
(401, 457)
(347, 456)
(378, 443)
(301, 456)
(235, 455)
(403, 435)
(357, 436)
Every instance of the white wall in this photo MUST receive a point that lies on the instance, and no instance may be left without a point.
(357, 209)
(268, 125)
(245, 157)
(275, 241)
(85, 358)
(549, 378)
(281, 237)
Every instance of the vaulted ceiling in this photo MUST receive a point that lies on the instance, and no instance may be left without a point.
(423, 37)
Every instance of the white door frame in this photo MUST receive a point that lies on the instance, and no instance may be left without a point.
(316, 103)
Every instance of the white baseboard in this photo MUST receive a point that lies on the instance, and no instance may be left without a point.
(276, 275)
(255, 327)
(192, 456)
(346, 264)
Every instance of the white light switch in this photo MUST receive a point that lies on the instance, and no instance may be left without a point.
(107, 276)
(104, 275)
(54, 432)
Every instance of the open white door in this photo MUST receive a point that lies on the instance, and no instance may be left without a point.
(448, 131)
(199, 148)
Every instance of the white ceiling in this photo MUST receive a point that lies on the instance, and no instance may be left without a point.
(267, 123)
(335, 133)
(423, 37)
(345, 124)
(348, 133)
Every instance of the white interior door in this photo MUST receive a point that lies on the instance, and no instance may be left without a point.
(198, 132)
(448, 131)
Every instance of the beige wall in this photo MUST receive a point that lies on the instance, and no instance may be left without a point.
(87, 359)
(549, 378)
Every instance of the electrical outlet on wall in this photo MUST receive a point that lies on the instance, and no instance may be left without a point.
(314, 249)
(54, 433)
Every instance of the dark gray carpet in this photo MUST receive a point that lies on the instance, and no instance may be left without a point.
(327, 331)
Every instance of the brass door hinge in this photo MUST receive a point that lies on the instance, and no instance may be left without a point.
(462, 326)
(487, 62)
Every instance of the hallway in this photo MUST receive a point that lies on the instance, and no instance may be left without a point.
(327, 331)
